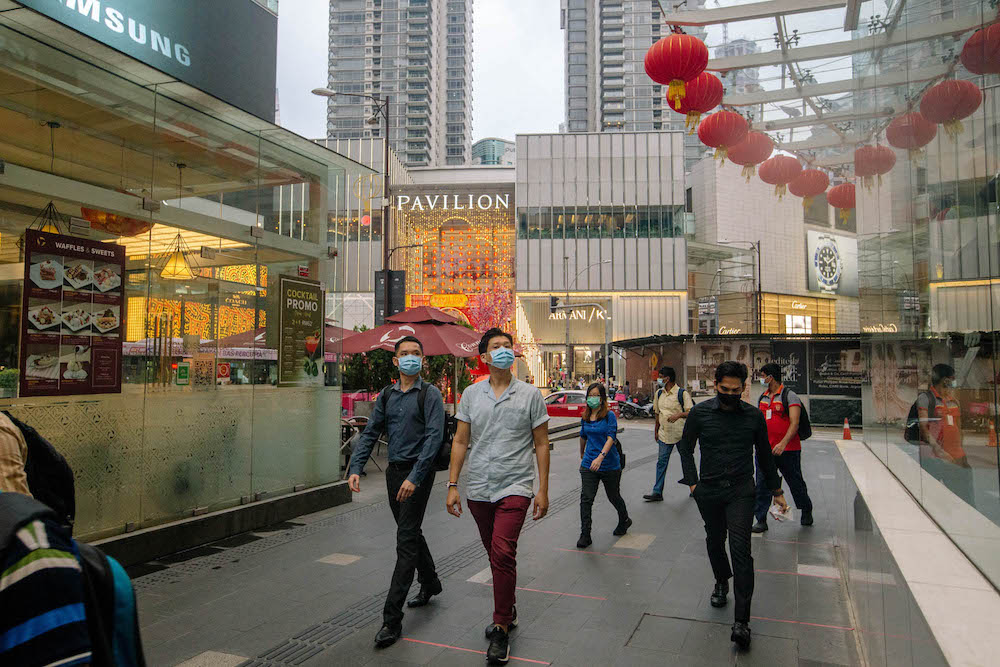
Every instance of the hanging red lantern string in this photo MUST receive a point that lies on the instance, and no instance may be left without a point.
(981, 53)
(885, 160)
(112, 223)
(779, 171)
(948, 102)
(911, 132)
(872, 161)
(675, 60)
(703, 93)
(754, 149)
(843, 198)
(808, 184)
(721, 130)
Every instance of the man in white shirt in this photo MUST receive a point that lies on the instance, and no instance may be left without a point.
(671, 405)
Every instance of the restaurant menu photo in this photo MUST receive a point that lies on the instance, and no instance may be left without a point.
(72, 313)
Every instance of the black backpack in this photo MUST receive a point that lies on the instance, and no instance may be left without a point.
(805, 426)
(109, 600)
(50, 479)
(443, 459)
(911, 430)
(680, 396)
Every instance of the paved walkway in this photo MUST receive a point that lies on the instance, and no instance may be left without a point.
(310, 591)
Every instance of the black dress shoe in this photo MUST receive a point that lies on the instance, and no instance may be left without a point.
(427, 591)
(720, 594)
(622, 528)
(741, 635)
(653, 497)
(584, 541)
(807, 518)
(759, 526)
(387, 636)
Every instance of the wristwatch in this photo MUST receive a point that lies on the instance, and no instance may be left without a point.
(828, 264)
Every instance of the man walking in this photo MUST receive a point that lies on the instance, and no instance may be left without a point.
(729, 431)
(671, 405)
(501, 424)
(415, 437)
(782, 410)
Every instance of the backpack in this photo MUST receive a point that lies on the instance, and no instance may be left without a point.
(443, 459)
(50, 479)
(680, 397)
(805, 430)
(108, 596)
(911, 429)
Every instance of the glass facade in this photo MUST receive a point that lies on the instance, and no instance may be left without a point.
(929, 264)
(209, 216)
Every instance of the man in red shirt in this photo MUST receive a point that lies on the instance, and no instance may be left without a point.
(783, 434)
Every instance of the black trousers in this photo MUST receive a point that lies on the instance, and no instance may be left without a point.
(790, 466)
(411, 547)
(727, 509)
(612, 480)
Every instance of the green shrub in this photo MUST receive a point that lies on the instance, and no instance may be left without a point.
(8, 378)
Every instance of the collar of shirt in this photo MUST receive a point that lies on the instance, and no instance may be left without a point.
(417, 384)
(511, 388)
(767, 392)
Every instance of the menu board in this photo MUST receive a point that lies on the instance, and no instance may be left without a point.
(300, 331)
(71, 316)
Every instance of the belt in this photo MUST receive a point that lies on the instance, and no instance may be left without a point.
(726, 482)
(402, 465)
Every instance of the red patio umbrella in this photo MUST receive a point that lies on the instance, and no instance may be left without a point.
(436, 339)
(423, 314)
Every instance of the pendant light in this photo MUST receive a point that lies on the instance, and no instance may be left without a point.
(176, 266)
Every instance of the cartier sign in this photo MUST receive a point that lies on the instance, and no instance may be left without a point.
(880, 328)
(467, 202)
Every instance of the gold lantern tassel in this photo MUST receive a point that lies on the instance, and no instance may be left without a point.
(953, 128)
(720, 154)
(916, 153)
(780, 190)
(844, 215)
(867, 182)
(691, 121)
(676, 92)
(749, 171)
(880, 180)
(807, 202)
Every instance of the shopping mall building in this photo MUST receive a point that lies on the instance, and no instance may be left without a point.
(163, 261)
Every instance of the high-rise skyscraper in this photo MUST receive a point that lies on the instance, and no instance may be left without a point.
(419, 54)
(607, 89)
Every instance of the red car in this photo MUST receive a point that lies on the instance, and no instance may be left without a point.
(571, 403)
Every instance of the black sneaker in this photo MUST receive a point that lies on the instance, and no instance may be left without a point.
(759, 527)
(741, 635)
(622, 528)
(807, 518)
(510, 628)
(720, 596)
(653, 497)
(387, 636)
(584, 541)
(499, 651)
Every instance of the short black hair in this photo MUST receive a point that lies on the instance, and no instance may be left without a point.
(941, 372)
(490, 335)
(731, 369)
(772, 369)
(668, 371)
(408, 339)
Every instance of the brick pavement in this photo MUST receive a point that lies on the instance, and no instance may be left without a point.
(310, 591)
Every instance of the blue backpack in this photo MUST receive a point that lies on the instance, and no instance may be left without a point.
(111, 618)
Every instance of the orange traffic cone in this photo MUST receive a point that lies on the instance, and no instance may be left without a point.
(847, 430)
(992, 441)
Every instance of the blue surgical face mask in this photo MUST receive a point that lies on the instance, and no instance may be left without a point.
(954, 384)
(763, 381)
(502, 358)
(659, 381)
(410, 364)
(593, 402)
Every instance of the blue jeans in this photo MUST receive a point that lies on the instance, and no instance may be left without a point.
(661, 466)
(789, 465)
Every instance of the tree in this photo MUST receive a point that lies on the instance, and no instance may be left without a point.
(492, 308)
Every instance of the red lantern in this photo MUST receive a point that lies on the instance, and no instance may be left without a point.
(911, 132)
(948, 102)
(754, 149)
(871, 161)
(721, 130)
(808, 184)
(981, 53)
(842, 197)
(112, 223)
(779, 171)
(703, 93)
(674, 60)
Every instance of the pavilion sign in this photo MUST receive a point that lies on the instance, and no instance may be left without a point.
(467, 202)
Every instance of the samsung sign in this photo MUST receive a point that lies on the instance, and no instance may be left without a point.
(226, 48)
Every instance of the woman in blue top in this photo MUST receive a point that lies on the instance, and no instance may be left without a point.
(599, 462)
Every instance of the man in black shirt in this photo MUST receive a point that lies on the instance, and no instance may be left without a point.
(729, 430)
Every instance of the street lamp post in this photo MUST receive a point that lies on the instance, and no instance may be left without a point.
(381, 109)
(568, 309)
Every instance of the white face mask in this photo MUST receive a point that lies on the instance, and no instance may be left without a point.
(954, 384)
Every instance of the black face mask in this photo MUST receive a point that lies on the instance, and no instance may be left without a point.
(729, 400)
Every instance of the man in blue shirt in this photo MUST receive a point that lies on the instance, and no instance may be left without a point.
(413, 445)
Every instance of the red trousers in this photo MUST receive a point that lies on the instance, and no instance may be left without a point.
(499, 527)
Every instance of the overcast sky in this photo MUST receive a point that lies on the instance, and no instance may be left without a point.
(517, 67)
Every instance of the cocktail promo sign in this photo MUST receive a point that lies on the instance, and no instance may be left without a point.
(72, 315)
(300, 332)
